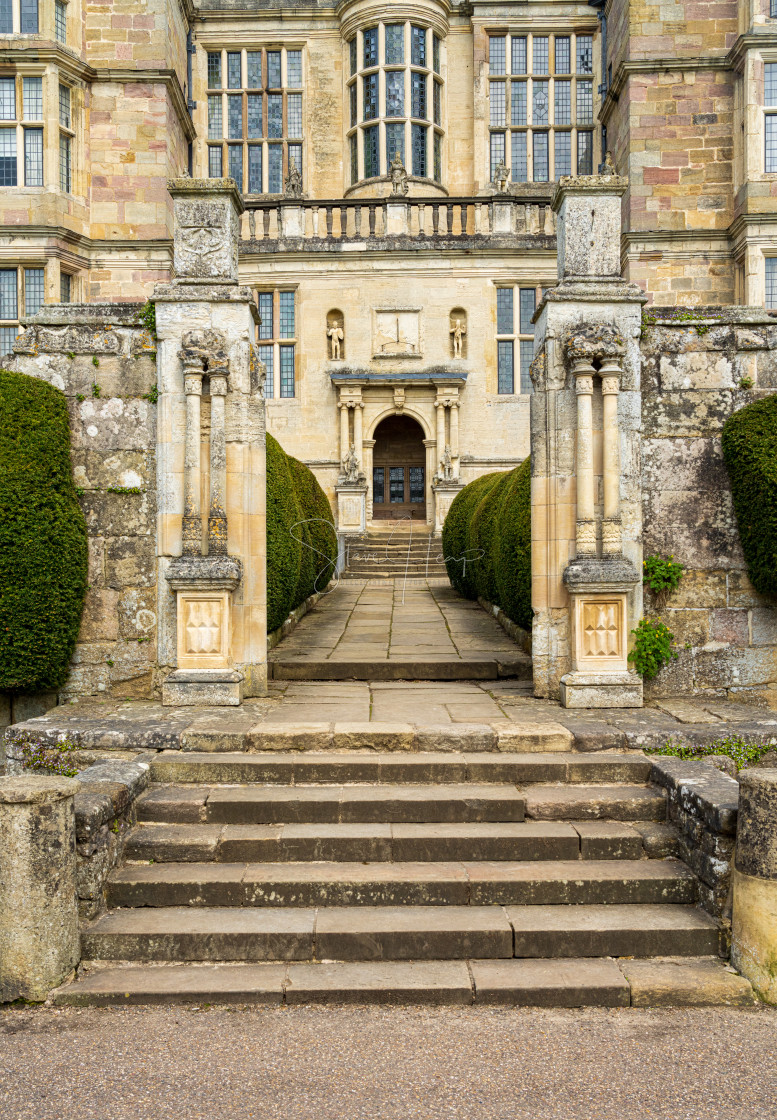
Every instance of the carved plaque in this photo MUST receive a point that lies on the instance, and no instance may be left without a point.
(205, 240)
(601, 628)
(203, 630)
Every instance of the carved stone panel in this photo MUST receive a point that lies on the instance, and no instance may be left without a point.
(600, 632)
(397, 334)
(205, 244)
(203, 629)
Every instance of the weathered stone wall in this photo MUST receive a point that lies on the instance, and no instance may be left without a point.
(694, 376)
(104, 361)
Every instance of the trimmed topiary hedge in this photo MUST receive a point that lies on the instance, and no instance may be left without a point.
(487, 542)
(43, 541)
(301, 552)
(750, 451)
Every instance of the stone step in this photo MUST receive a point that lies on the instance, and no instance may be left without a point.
(397, 933)
(271, 804)
(547, 883)
(515, 738)
(574, 982)
(431, 669)
(381, 843)
(207, 768)
(583, 803)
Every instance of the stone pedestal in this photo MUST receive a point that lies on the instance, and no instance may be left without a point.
(754, 919)
(600, 677)
(203, 587)
(212, 476)
(444, 492)
(502, 214)
(396, 217)
(586, 491)
(351, 507)
(39, 940)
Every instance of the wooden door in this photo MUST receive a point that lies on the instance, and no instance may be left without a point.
(399, 471)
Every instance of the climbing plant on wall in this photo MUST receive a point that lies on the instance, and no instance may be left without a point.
(43, 544)
(750, 451)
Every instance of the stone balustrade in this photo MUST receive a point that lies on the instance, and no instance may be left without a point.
(383, 218)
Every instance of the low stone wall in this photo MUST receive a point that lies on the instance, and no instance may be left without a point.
(702, 803)
(695, 374)
(104, 361)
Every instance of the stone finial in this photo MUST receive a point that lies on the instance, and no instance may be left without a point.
(207, 230)
(589, 225)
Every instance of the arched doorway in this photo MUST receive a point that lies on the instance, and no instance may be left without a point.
(399, 470)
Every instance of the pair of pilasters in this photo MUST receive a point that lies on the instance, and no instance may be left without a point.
(585, 527)
(217, 518)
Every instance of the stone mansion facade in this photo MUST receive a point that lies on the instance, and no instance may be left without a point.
(397, 160)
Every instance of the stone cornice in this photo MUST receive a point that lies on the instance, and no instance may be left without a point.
(80, 241)
(748, 41)
(36, 52)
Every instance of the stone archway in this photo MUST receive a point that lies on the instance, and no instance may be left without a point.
(398, 482)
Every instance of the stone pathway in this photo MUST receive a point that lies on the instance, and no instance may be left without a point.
(418, 629)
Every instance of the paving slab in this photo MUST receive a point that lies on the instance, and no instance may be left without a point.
(557, 983)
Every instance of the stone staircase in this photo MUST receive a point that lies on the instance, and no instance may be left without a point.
(526, 878)
(393, 553)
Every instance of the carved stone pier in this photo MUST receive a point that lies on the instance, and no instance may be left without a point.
(211, 459)
(586, 489)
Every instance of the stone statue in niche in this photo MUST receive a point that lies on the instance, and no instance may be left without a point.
(335, 334)
(398, 174)
(458, 330)
(501, 175)
(447, 465)
(293, 185)
(351, 466)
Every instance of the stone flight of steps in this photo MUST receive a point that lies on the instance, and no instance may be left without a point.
(536, 879)
(392, 554)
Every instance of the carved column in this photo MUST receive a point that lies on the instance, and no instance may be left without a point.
(611, 523)
(345, 432)
(192, 515)
(585, 529)
(454, 415)
(440, 429)
(217, 516)
(358, 435)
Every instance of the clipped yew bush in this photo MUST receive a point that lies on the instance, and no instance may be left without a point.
(487, 542)
(43, 540)
(750, 452)
(296, 506)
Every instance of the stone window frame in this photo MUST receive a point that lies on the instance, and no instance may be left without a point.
(20, 124)
(769, 114)
(12, 323)
(290, 147)
(518, 339)
(20, 10)
(271, 343)
(67, 138)
(61, 21)
(514, 144)
(432, 71)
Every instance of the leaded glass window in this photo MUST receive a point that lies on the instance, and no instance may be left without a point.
(540, 55)
(419, 150)
(215, 124)
(563, 153)
(563, 102)
(526, 351)
(65, 287)
(8, 173)
(294, 115)
(585, 54)
(7, 99)
(9, 300)
(273, 69)
(214, 162)
(496, 54)
(585, 153)
(418, 95)
(370, 43)
(233, 70)
(352, 55)
(235, 103)
(514, 341)
(354, 100)
(519, 55)
(32, 97)
(771, 282)
(286, 307)
(266, 355)
(266, 315)
(33, 290)
(540, 103)
(294, 69)
(370, 96)
(60, 21)
(287, 370)
(353, 142)
(497, 100)
(236, 163)
(33, 157)
(497, 151)
(28, 10)
(254, 168)
(6, 20)
(276, 311)
(518, 103)
(505, 374)
(504, 311)
(275, 168)
(418, 46)
(275, 115)
(518, 165)
(395, 44)
(436, 54)
(253, 69)
(770, 84)
(371, 152)
(254, 116)
(585, 103)
(563, 54)
(395, 93)
(437, 89)
(540, 157)
(64, 107)
(395, 141)
(528, 305)
(437, 157)
(214, 70)
(65, 169)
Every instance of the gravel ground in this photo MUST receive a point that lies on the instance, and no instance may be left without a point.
(387, 1064)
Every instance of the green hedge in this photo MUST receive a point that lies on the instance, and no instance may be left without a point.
(301, 553)
(43, 541)
(750, 451)
(492, 516)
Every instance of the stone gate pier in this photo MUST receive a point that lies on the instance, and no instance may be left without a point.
(211, 459)
(585, 449)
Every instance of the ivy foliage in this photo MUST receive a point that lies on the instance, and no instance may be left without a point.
(750, 452)
(301, 537)
(487, 541)
(43, 541)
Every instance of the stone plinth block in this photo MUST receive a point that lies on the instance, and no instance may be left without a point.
(39, 940)
(754, 921)
(209, 687)
(207, 230)
(589, 225)
(351, 507)
(601, 690)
